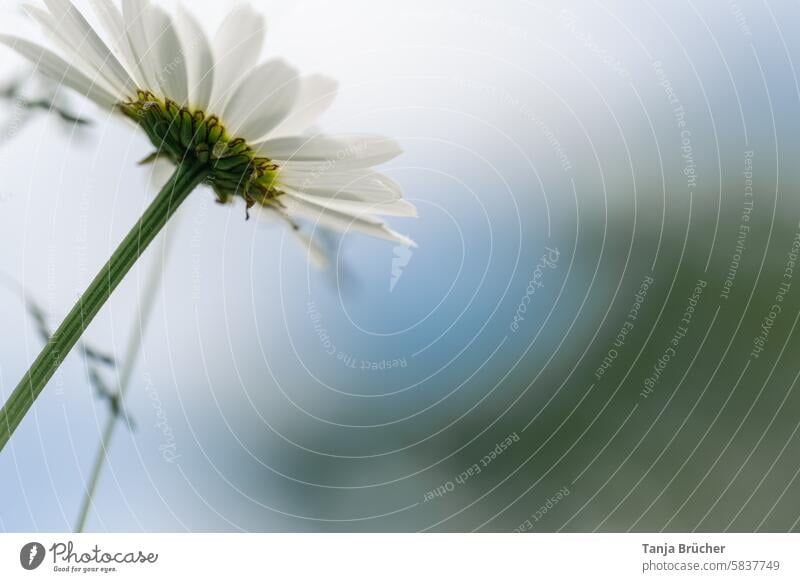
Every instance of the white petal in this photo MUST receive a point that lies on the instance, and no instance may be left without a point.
(111, 19)
(315, 252)
(316, 95)
(261, 100)
(199, 59)
(54, 32)
(134, 14)
(342, 221)
(366, 185)
(237, 48)
(82, 42)
(53, 66)
(169, 57)
(347, 203)
(340, 152)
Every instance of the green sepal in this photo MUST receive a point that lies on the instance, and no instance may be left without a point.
(187, 129)
(229, 163)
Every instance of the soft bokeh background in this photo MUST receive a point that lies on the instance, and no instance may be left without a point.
(270, 397)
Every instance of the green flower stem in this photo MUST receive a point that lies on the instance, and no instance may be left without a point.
(145, 310)
(187, 177)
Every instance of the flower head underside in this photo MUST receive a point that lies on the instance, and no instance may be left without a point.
(211, 102)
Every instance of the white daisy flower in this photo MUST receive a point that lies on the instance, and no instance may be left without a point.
(213, 103)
